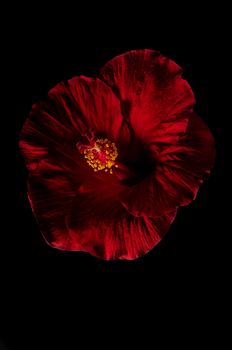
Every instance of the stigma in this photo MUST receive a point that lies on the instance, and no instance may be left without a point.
(100, 154)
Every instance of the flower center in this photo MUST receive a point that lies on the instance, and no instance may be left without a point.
(99, 154)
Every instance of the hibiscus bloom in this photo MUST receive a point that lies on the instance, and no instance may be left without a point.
(111, 159)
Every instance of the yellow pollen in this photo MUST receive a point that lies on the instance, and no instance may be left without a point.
(101, 155)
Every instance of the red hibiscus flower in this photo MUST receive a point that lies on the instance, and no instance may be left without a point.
(110, 159)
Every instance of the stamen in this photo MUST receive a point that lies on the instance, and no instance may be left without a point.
(99, 154)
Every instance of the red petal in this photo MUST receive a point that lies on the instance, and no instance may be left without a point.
(181, 168)
(71, 109)
(100, 106)
(151, 89)
(78, 212)
(92, 220)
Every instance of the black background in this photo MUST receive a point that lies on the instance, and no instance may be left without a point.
(184, 271)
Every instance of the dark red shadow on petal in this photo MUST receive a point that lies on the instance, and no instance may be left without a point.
(138, 159)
